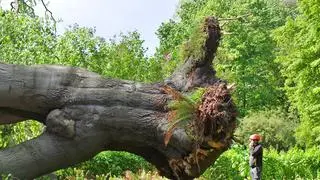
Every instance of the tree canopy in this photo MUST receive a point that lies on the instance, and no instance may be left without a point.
(299, 52)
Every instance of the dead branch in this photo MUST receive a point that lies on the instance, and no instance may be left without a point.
(47, 10)
(29, 7)
(16, 9)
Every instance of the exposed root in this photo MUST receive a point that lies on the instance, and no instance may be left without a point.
(216, 115)
(211, 128)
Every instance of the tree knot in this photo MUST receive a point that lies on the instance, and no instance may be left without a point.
(58, 123)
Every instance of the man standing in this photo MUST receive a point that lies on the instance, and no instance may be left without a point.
(255, 159)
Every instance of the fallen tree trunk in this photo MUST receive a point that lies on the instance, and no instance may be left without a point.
(85, 114)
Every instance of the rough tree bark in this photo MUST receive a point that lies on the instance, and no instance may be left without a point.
(85, 114)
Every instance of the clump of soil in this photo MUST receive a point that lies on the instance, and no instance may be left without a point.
(209, 121)
(216, 118)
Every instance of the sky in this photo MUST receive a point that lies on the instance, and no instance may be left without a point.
(111, 17)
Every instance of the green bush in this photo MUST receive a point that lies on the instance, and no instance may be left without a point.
(277, 128)
(233, 164)
(294, 164)
(109, 163)
(12, 134)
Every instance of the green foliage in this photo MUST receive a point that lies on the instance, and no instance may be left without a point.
(233, 164)
(245, 57)
(294, 164)
(185, 108)
(196, 95)
(122, 57)
(25, 40)
(127, 60)
(6, 176)
(184, 113)
(107, 163)
(15, 134)
(78, 46)
(171, 36)
(81, 174)
(277, 128)
(193, 48)
(299, 52)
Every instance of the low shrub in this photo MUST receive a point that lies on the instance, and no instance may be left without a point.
(109, 163)
(293, 164)
(233, 164)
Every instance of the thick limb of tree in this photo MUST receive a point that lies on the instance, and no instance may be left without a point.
(85, 114)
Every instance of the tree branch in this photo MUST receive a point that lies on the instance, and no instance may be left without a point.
(16, 2)
(47, 10)
(29, 7)
(198, 71)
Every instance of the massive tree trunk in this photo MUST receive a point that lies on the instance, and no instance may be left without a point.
(85, 114)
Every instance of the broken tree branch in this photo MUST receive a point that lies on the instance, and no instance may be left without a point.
(86, 113)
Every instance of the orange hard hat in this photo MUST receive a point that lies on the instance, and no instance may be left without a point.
(255, 137)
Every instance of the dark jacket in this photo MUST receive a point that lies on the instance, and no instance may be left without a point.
(255, 159)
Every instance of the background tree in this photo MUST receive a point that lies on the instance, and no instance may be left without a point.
(245, 57)
(123, 56)
(276, 127)
(299, 52)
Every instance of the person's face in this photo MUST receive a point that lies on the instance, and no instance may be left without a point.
(255, 142)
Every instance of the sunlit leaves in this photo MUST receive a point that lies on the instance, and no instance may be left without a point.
(277, 128)
(294, 164)
(122, 56)
(25, 40)
(245, 57)
(299, 52)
